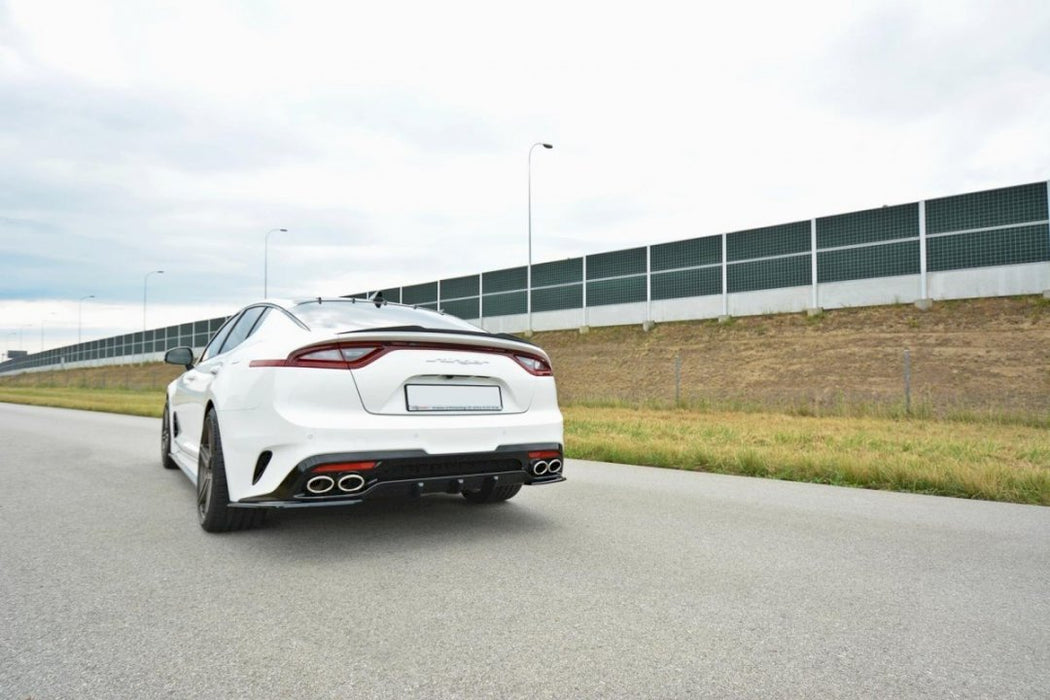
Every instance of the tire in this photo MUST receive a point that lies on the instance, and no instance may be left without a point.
(213, 497)
(492, 494)
(165, 440)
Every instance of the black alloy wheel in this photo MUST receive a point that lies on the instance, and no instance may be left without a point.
(213, 497)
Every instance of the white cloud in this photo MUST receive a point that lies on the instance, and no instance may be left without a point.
(391, 139)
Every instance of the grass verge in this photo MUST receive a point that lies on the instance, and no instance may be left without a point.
(129, 401)
(984, 459)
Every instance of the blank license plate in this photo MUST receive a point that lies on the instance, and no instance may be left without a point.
(446, 397)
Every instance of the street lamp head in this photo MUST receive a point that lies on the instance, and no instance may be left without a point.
(283, 230)
(547, 145)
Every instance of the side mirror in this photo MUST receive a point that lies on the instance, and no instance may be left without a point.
(180, 356)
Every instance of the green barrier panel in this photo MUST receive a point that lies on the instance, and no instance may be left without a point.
(463, 308)
(419, 294)
(569, 296)
(774, 273)
(618, 291)
(508, 280)
(687, 283)
(1012, 246)
(615, 264)
(691, 253)
(505, 304)
(784, 239)
(460, 287)
(1010, 205)
(869, 261)
(557, 272)
(871, 226)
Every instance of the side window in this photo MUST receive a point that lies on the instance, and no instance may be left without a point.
(216, 342)
(243, 328)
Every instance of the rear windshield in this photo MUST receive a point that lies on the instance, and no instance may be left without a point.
(347, 315)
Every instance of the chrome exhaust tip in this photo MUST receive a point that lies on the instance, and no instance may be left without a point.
(320, 485)
(540, 468)
(554, 466)
(351, 483)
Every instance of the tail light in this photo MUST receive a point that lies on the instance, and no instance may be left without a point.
(350, 355)
(339, 356)
(534, 365)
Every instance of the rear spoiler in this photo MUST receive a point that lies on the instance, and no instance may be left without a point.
(442, 331)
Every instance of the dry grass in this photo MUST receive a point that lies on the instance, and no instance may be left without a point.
(142, 377)
(128, 401)
(787, 396)
(983, 460)
(987, 356)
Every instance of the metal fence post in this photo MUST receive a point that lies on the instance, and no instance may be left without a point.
(725, 279)
(584, 292)
(813, 261)
(678, 379)
(907, 382)
(924, 290)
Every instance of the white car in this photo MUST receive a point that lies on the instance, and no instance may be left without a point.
(330, 402)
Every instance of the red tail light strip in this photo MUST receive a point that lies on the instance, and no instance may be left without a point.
(356, 355)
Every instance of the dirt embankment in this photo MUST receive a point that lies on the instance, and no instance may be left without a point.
(985, 355)
(973, 355)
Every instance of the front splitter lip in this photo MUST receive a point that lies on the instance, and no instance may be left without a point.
(406, 488)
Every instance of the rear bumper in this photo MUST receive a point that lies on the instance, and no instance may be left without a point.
(410, 474)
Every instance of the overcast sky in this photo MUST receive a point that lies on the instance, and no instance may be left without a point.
(391, 138)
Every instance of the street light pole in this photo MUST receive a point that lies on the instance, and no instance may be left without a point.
(80, 314)
(144, 281)
(266, 261)
(528, 272)
(42, 319)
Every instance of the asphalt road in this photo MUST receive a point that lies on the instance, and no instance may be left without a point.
(622, 582)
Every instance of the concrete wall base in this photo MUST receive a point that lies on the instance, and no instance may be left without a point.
(724, 319)
(924, 304)
(584, 330)
(815, 311)
(648, 326)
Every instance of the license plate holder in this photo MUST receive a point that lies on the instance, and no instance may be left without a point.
(449, 398)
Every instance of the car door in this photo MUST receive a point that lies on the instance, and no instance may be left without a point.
(193, 388)
(189, 392)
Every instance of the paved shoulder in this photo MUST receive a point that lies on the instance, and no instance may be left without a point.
(622, 582)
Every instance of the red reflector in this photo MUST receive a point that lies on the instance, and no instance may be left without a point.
(344, 467)
(545, 454)
(268, 363)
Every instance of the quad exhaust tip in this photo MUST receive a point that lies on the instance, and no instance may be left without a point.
(554, 466)
(320, 485)
(351, 483)
(540, 468)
